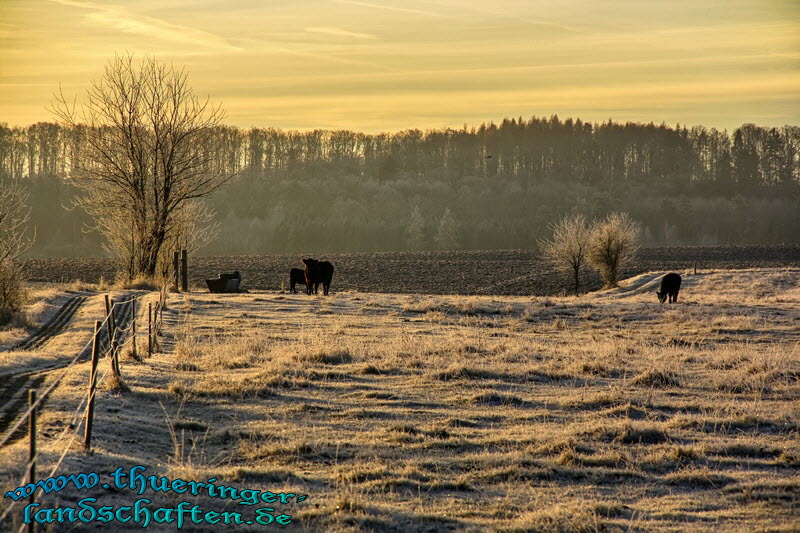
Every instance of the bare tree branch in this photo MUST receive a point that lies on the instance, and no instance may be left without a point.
(14, 217)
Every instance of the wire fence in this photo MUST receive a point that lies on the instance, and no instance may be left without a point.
(74, 424)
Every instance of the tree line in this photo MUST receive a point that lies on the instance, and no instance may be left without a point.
(492, 186)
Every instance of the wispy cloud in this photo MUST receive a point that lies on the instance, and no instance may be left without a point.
(338, 32)
(260, 46)
(121, 18)
(394, 8)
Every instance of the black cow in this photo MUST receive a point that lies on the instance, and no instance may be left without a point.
(318, 272)
(296, 275)
(670, 285)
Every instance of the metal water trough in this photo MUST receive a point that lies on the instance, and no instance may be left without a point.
(227, 282)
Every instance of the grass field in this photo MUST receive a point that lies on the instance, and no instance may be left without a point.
(400, 412)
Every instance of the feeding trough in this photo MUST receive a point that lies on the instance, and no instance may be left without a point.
(226, 282)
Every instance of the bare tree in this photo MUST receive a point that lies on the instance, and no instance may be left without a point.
(415, 229)
(613, 243)
(568, 246)
(447, 233)
(149, 144)
(14, 241)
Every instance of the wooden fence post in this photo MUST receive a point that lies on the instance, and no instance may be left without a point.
(184, 271)
(32, 450)
(108, 317)
(176, 268)
(110, 331)
(113, 341)
(133, 325)
(87, 434)
(149, 329)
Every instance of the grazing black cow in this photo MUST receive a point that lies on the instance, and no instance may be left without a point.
(318, 272)
(296, 275)
(670, 285)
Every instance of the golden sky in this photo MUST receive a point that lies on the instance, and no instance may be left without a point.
(385, 65)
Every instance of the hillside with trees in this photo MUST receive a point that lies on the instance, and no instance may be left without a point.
(488, 187)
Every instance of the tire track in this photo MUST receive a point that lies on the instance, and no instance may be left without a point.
(52, 327)
(123, 315)
(14, 387)
(14, 398)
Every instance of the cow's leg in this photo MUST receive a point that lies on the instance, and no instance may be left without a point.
(325, 288)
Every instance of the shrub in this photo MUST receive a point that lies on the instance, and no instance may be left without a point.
(612, 244)
(12, 294)
(568, 246)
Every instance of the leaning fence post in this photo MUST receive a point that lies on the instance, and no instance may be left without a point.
(184, 271)
(87, 434)
(149, 329)
(32, 450)
(176, 269)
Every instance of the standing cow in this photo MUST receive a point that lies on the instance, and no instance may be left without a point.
(296, 275)
(318, 272)
(670, 285)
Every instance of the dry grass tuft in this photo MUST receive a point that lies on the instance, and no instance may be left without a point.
(597, 401)
(558, 519)
(113, 383)
(79, 285)
(659, 379)
(140, 284)
(459, 372)
(628, 433)
(130, 355)
(744, 450)
(496, 399)
(700, 478)
(326, 357)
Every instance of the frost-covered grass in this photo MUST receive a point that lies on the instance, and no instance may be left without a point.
(404, 412)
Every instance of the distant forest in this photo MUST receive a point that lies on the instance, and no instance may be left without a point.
(494, 186)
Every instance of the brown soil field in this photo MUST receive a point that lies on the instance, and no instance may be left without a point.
(501, 272)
